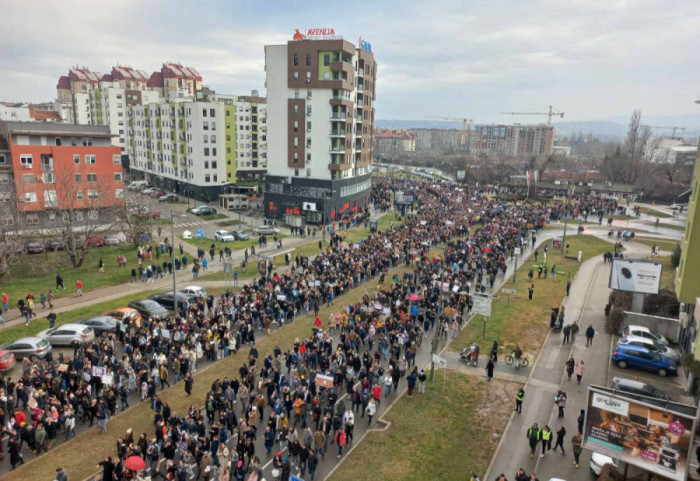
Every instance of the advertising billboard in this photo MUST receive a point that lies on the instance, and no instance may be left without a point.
(639, 433)
(634, 275)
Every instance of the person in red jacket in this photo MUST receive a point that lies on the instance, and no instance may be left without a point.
(377, 393)
(79, 285)
(340, 441)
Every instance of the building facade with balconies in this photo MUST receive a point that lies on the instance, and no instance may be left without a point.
(320, 115)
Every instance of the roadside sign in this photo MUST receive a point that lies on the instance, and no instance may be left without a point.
(518, 251)
(508, 290)
(228, 267)
(482, 305)
(439, 361)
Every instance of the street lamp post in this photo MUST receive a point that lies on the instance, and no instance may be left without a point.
(172, 236)
(566, 215)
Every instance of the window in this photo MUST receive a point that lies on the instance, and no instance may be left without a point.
(73, 141)
(308, 110)
(206, 164)
(308, 94)
(326, 75)
(206, 150)
(214, 164)
(92, 194)
(28, 179)
(58, 140)
(4, 178)
(296, 59)
(212, 113)
(117, 176)
(296, 75)
(296, 112)
(213, 151)
(92, 178)
(296, 126)
(308, 158)
(205, 125)
(87, 142)
(308, 128)
(93, 214)
(119, 193)
(78, 178)
(326, 59)
(308, 172)
(308, 60)
(79, 195)
(296, 172)
(207, 178)
(116, 159)
(32, 219)
(308, 142)
(30, 197)
(296, 159)
(204, 112)
(215, 178)
(308, 77)
(27, 161)
(50, 198)
(90, 159)
(213, 138)
(79, 216)
(296, 141)
(49, 177)
(228, 137)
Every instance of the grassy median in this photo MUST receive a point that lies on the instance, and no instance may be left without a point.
(514, 318)
(445, 434)
(80, 455)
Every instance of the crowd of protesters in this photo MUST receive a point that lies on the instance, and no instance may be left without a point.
(366, 349)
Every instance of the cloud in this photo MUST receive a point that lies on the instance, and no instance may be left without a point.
(589, 58)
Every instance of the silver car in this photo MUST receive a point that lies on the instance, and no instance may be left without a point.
(32, 347)
(100, 324)
(65, 335)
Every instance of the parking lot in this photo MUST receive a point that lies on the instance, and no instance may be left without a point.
(674, 386)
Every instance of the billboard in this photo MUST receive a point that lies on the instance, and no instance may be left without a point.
(637, 432)
(633, 275)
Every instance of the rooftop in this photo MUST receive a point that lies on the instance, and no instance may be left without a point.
(51, 128)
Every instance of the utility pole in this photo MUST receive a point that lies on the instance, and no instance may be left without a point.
(515, 270)
(566, 216)
(172, 236)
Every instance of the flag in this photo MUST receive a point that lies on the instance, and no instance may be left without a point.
(527, 175)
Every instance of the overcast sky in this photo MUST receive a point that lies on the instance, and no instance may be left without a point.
(592, 59)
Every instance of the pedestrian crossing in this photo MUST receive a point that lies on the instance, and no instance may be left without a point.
(189, 224)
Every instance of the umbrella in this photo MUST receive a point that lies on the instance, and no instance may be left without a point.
(135, 463)
(413, 297)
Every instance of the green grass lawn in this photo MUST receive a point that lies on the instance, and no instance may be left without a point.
(664, 245)
(672, 226)
(526, 322)
(448, 430)
(227, 223)
(37, 272)
(657, 213)
(668, 273)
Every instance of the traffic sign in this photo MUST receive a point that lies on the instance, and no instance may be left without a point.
(482, 304)
(439, 361)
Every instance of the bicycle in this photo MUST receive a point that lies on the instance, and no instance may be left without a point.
(510, 359)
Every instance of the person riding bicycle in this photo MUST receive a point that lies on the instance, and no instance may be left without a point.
(517, 354)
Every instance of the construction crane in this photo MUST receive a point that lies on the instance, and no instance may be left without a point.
(673, 134)
(465, 125)
(552, 112)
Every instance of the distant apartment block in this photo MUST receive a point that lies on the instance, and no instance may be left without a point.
(396, 140)
(512, 140)
(445, 141)
(21, 112)
(46, 168)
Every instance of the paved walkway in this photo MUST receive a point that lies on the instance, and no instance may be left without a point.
(585, 304)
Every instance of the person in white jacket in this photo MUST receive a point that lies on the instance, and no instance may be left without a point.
(371, 409)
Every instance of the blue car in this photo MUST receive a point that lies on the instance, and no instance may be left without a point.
(640, 357)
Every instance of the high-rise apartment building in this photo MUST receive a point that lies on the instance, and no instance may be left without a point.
(320, 116)
(512, 140)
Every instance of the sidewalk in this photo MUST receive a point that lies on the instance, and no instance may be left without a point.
(589, 294)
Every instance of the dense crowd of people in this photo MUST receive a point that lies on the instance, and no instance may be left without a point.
(364, 350)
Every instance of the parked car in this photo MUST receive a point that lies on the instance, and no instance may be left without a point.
(204, 210)
(240, 234)
(168, 198)
(54, 245)
(100, 324)
(138, 185)
(638, 387)
(149, 190)
(149, 307)
(653, 346)
(267, 230)
(65, 335)
(167, 300)
(599, 460)
(32, 347)
(194, 291)
(112, 240)
(224, 236)
(34, 247)
(642, 331)
(96, 241)
(7, 360)
(627, 355)
(676, 206)
(144, 212)
(124, 313)
(157, 193)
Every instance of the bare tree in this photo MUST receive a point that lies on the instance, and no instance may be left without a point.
(83, 206)
(136, 216)
(638, 136)
(10, 240)
(615, 166)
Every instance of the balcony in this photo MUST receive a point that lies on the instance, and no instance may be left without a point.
(338, 116)
(338, 133)
(339, 149)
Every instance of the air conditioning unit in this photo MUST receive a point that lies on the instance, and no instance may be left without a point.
(309, 206)
(27, 166)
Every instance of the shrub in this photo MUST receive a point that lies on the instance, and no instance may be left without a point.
(614, 321)
(676, 256)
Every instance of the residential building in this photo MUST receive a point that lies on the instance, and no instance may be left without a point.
(512, 140)
(445, 141)
(320, 116)
(56, 167)
(397, 140)
(246, 135)
(687, 279)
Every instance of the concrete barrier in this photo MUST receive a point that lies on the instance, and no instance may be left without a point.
(666, 326)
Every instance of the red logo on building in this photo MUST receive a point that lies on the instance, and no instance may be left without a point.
(298, 35)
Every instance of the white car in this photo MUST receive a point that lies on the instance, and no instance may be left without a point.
(653, 345)
(224, 236)
(267, 230)
(194, 290)
(599, 460)
(641, 331)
